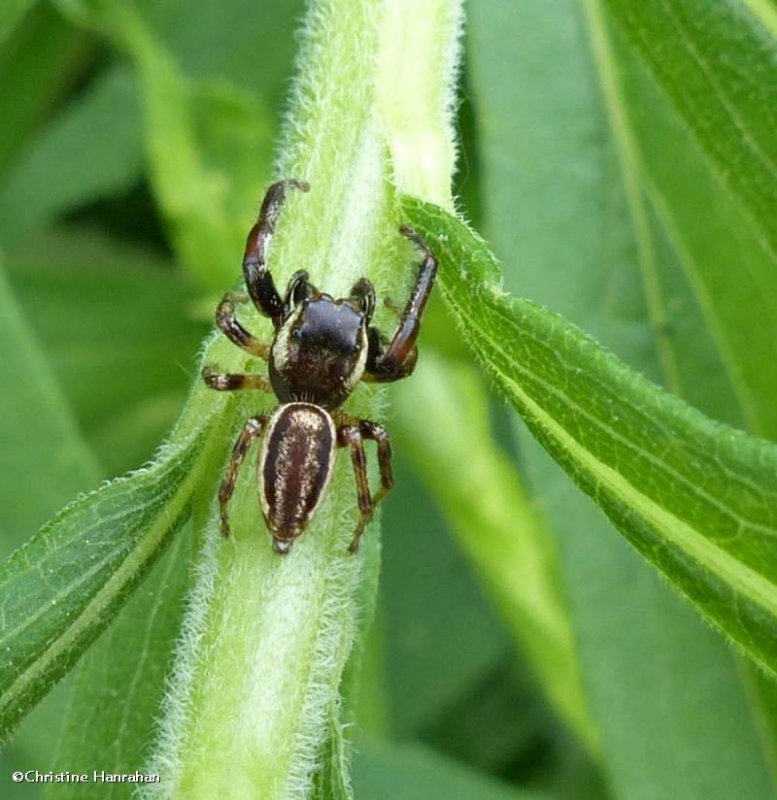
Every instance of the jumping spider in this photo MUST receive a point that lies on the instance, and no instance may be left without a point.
(320, 350)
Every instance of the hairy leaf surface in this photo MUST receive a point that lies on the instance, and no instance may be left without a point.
(697, 498)
(60, 590)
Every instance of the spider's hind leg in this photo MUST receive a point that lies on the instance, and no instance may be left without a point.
(353, 436)
(251, 430)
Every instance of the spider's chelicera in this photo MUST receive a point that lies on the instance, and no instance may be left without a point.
(320, 350)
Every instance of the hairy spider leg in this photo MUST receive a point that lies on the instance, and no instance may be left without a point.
(234, 331)
(233, 382)
(259, 281)
(251, 430)
(397, 361)
(353, 436)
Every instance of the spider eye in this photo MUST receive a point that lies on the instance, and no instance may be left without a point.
(299, 292)
(298, 289)
(363, 295)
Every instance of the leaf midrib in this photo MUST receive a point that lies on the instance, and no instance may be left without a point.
(701, 549)
(115, 584)
(661, 466)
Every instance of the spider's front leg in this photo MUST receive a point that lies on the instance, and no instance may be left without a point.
(397, 360)
(353, 436)
(259, 281)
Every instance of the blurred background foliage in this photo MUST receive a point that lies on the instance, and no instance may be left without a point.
(132, 160)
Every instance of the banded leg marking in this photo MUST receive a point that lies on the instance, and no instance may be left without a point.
(251, 430)
(353, 436)
(234, 331)
(259, 281)
(232, 382)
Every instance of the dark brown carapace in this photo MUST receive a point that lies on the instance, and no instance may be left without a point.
(322, 347)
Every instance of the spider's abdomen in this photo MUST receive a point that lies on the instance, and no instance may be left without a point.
(295, 466)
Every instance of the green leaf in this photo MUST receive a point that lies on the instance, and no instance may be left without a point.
(413, 772)
(61, 589)
(125, 366)
(92, 151)
(738, 303)
(695, 497)
(567, 213)
(249, 44)
(37, 65)
(722, 358)
(45, 461)
(495, 524)
(207, 145)
(207, 185)
(94, 148)
(225, 43)
(11, 12)
(716, 63)
(439, 636)
(118, 687)
(572, 216)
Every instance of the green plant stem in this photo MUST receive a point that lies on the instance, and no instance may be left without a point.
(250, 713)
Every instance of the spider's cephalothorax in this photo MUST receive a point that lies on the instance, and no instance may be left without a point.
(321, 349)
